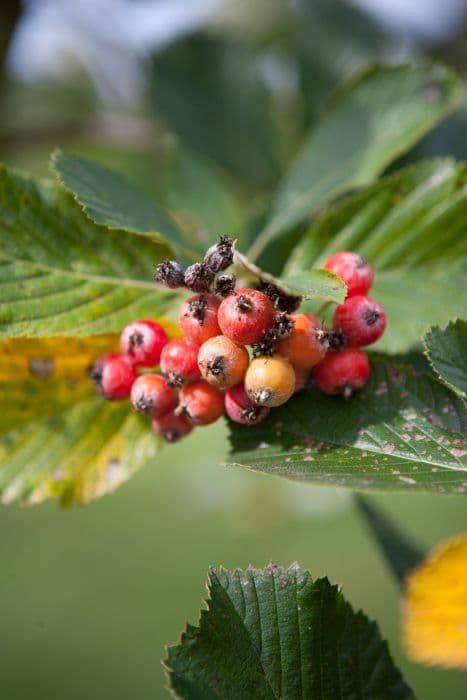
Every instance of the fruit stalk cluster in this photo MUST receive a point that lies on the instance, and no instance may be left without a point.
(242, 351)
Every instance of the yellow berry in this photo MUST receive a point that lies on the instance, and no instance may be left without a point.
(270, 381)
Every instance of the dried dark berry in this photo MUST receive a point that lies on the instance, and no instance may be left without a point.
(224, 285)
(283, 302)
(219, 256)
(198, 277)
(170, 273)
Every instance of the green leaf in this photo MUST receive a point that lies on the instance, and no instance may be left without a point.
(446, 351)
(210, 93)
(277, 633)
(312, 284)
(373, 119)
(400, 553)
(402, 432)
(109, 200)
(62, 274)
(409, 227)
(202, 200)
(66, 444)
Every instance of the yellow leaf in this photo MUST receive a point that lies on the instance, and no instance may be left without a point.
(435, 607)
(58, 357)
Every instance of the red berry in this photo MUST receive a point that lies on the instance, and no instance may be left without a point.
(241, 409)
(201, 403)
(350, 267)
(198, 317)
(361, 320)
(143, 342)
(113, 376)
(222, 363)
(245, 316)
(304, 346)
(152, 395)
(342, 372)
(171, 426)
(179, 361)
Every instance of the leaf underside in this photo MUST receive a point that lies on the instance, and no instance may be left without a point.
(276, 633)
(446, 350)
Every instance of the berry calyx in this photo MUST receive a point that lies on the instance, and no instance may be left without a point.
(171, 426)
(143, 341)
(270, 381)
(198, 317)
(222, 363)
(113, 375)
(241, 409)
(360, 319)
(152, 395)
(246, 316)
(170, 273)
(306, 344)
(179, 361)
(201, 403)
(198, 278)
(353, 270)
(343, 372)
(219, 256)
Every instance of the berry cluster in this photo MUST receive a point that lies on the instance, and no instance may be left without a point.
(243, 351)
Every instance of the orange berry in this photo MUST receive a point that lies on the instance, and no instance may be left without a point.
(270, 381)
(222, 363)
(303, 347)
(198, 317)
(201, 403)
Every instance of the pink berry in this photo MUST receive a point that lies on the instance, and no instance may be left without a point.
(245, 316)
(350, 267)
(241, 409)
(171, 426)
(152, 395)
(198, 317)
(201, 403)
(361, 320)
(342, 372)
(143, 342)
(113, 376)
(179, 361)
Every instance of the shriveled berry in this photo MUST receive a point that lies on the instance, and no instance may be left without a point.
(198, 278)
(282, 301)
(353, 270)
(361, 320)
(219, 256)
(270, 381)
(222, 363)
(113, 375)
(152, 395)
(171, 426)
(143, 341)
(201, 403)
(170, 273)
(198, 317)
(245, 316)
(343, 372)
(179, 361)
(241, 409)
(224, 285)
(306, 345)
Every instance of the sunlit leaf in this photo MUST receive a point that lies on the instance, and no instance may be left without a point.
(62, 274)
(402, 432)
(435, 607)
(277, 633)
(108, 199)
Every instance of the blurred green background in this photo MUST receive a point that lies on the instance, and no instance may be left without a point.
(206, 122)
